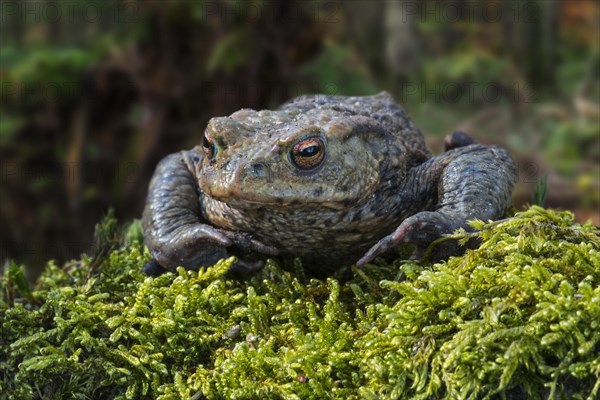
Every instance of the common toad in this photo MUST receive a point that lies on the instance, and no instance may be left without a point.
(330, 179)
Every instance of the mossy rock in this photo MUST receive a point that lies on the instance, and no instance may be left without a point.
(519, 317)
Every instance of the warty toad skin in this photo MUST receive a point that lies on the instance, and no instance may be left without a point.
(330, 179)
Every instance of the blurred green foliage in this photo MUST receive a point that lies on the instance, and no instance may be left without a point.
(91, 100)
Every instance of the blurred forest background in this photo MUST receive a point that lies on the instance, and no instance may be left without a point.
(95, 93)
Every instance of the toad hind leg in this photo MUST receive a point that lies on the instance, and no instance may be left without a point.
(473, 182)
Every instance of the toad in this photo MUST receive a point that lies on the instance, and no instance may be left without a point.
(332, 180)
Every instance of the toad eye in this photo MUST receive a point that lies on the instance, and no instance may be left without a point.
(208, 145)
(308, 153)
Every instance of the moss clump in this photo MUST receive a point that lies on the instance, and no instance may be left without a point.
(517, 318)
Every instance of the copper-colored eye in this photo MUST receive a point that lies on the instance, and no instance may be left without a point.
(308, 153)
(208, 145)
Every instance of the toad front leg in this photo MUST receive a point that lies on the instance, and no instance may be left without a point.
(172, 225)
(471, 182)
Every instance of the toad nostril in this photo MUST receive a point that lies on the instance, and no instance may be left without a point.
(256, 170)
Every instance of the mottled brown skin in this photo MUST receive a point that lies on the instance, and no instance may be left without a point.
(330, 179)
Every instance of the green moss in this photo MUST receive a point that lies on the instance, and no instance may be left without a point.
(517, 318)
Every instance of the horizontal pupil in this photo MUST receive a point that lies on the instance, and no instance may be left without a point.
(309, 151)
